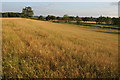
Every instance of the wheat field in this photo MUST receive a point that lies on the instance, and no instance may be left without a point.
(42, 49)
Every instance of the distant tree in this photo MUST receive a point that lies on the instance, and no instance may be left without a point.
(86, 19)
(58, 18)
(71, 18)
(66, 18)
(105, 20)
(108, 20)
(11, 14)
(48, 17)
(27, 12)
(41, 17)
(92, 19)
(52, 17)
(100, 20)
(116, 21)
(4, 14)
(0, 14)
(78, 19)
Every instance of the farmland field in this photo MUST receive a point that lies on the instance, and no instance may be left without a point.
(41, 49)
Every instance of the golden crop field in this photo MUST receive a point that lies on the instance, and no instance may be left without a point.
(42, 49)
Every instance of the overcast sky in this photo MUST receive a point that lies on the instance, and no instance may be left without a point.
(94, 9)
(60, 0)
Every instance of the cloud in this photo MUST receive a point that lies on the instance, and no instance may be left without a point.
(114, 3)
(59, 0)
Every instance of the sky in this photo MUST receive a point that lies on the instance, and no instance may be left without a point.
(94, 9)
(60, 0)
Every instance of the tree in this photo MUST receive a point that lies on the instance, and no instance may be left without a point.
(108, 20)
(86, 19)
(78, 19)
(0, 15)
(66, 18)
(41, 17)
(52, 17)
(100, 20)
(48, 17)
(58, 18)
(105, 20)
(116, 21)
(11, 14)
(92, 19)
(71, 18)
(4, 14)
(27, 12)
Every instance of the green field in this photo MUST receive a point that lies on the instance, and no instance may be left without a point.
(92, 24)
(41, 49)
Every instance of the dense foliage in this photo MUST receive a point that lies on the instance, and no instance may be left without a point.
(26, 12)
(99, 20)
(11, 14)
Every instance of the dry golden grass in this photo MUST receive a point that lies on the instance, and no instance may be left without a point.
(39, 49)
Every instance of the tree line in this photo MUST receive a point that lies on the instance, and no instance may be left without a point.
(28, 13)
(66, 18)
